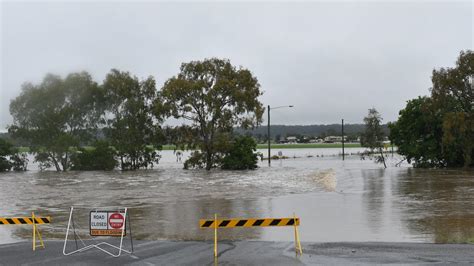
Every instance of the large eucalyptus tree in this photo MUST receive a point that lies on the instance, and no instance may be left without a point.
(213, 96)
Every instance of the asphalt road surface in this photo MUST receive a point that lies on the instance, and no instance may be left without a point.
(241, 253)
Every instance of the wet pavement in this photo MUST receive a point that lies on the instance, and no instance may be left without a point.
(244, 253)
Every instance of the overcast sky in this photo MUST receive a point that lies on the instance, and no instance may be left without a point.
(331, 60)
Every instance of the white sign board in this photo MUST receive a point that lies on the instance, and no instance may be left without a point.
(107, 223)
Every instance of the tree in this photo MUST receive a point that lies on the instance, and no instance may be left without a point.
(11, 158)
(213, 96)
(373, 136)
(438, 131)
(453, 95)
(418, 133)
(241, 155)
(277, 138)
(131, 126)
(56, 115)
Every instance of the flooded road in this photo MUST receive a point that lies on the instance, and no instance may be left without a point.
(351, 200)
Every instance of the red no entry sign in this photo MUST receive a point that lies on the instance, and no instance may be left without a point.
(107, 223)
(116, 220)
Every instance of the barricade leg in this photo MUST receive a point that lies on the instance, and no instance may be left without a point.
(298, 249)
(36, 233)
(215, 235)
(34, 230)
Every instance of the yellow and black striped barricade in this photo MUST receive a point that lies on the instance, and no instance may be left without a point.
(252, 222)
(33, 220)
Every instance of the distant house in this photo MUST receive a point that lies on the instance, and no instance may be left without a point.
(291, 139)
(334, 139)
(316, 140)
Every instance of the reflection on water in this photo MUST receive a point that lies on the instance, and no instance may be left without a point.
(374, 197)
(439, 203)
(350, 200)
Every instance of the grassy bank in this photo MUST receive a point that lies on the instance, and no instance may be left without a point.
(309, 146)
(264, 146)
(294, 146)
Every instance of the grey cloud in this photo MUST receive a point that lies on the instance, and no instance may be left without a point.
(331, 60)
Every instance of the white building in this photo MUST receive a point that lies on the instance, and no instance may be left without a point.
(332, 139)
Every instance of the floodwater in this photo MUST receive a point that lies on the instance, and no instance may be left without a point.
(351, 200)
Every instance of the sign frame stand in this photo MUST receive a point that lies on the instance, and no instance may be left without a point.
(98, 245)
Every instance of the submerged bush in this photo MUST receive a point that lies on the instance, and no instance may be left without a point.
(242, 154)
(100, 157)
(11, 158)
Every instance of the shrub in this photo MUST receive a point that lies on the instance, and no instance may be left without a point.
(100, 157)
(11, 158)
(241, 155)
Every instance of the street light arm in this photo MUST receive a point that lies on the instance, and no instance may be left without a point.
(283, 106)
(268, 128)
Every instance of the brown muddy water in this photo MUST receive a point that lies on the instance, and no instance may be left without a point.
(351, 200)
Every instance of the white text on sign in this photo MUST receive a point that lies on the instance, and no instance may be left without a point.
(106, 223)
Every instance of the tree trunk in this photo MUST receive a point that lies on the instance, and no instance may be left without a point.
(56, 164)
(467, 156)
(383, 157)
(208, 160)
(64, 163)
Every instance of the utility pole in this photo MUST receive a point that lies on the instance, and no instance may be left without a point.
(342, 139)
(268, 135)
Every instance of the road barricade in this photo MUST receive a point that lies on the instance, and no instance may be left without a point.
(106, 221)
(252, 222)
(33, 220)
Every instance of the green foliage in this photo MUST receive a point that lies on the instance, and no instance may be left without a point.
(458, 138)
(11, 158)
(196, 160)
(418, 133)
(100, 157)
(453, 96)
(131, 124)
(438, 131)
(5, 151)
(373, 136)
(56, 115)
(241, 155)
(214, 97)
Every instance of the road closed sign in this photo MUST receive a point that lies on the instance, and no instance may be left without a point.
(107, 223)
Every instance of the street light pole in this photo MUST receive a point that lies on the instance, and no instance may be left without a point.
(268, 129)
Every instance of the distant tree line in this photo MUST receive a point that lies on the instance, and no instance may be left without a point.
(438, 130)
(77, 123)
